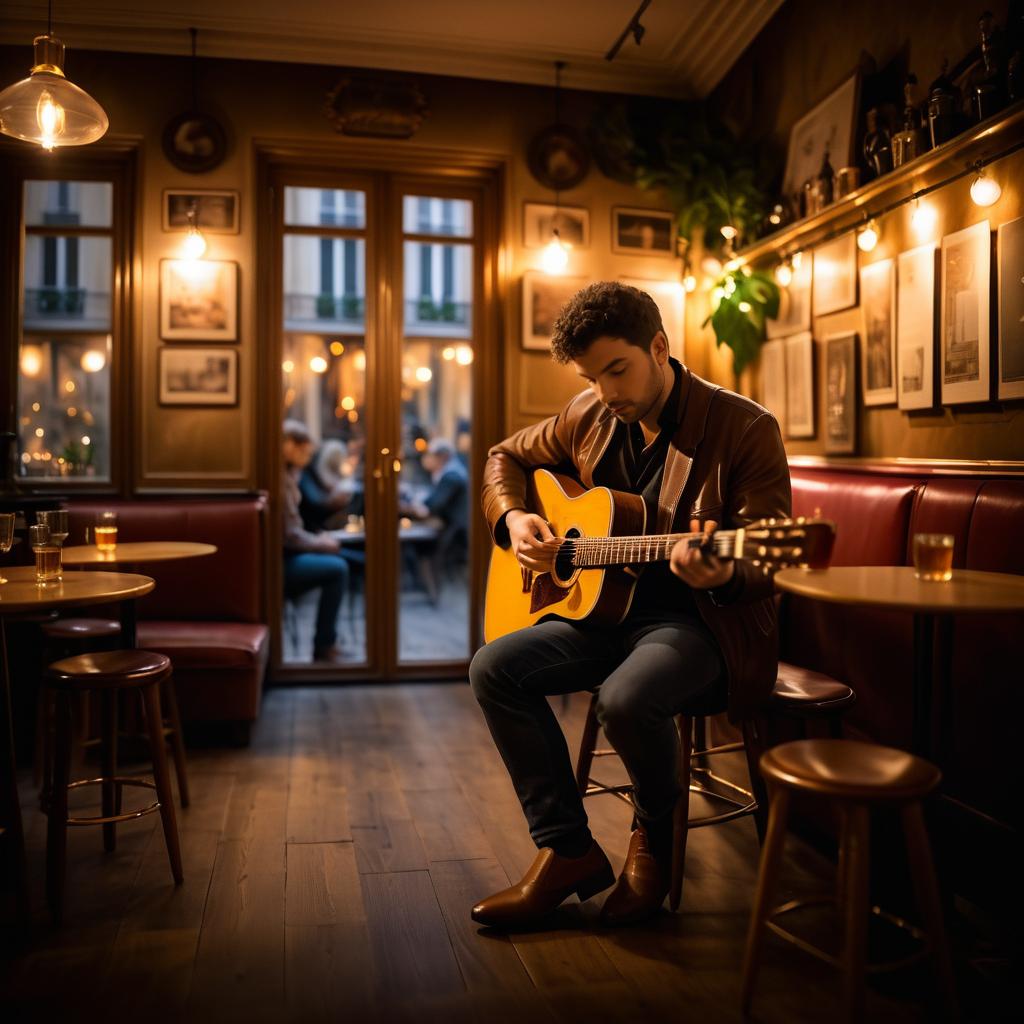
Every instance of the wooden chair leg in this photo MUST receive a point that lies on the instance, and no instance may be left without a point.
(681, 816)
(771, 859)
(855, 839)
(585, 760)
(926, 889)
(161, 776)
(753, 748)
(57, 821)
(169, 702)
(108, 761)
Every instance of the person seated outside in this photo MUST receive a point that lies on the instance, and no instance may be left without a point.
(449, 484)
(329, 493)
(311, 558)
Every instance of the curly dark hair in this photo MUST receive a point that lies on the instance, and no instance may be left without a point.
(606, 309)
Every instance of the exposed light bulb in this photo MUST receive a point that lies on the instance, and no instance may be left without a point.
(195, 244)
(448, 353)
(288, 366)
(318, 364)
(31, 360)
(93, 361)
(50, 118)
(463, 355)
(555, 257)
(728, 232)
(784, 274)
(796, 259)
(867, 237)
(424, 374)
(922, 219)
(985, 190)
(690, 283)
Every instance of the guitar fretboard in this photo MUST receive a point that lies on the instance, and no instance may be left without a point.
(590, 552)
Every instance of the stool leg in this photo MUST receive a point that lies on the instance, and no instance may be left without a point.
(681, 815)
(57, 821)
(700, 734)
(108, 733)
(771, 858)
(855, 839)
(155, 722)
(169, 702)
(753, 748)
(585, 760)
(926, 890)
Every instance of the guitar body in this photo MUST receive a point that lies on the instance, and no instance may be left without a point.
(517, 597)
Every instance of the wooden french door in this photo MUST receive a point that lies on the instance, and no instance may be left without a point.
(382, 339)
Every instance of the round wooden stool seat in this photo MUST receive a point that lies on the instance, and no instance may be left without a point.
(109, 669)
(803, 691)
(849, 769)
(82, 629)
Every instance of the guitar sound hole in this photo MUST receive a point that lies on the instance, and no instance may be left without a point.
(563, 560)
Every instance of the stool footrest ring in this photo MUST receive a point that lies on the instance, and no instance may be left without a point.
(110, 819)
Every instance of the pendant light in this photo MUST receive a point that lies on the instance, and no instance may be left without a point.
(46, 108)
(555, 257)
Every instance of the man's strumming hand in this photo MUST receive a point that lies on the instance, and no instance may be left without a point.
(533, 543)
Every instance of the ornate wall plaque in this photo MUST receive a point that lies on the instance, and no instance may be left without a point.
(377, 106)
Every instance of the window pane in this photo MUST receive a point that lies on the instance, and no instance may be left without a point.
(438, 290)
(67, 283)
(312, 207)
(324, 284)
(429, 215)
(88, 204)
(64, 406)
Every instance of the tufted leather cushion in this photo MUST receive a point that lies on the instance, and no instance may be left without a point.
(206, 645)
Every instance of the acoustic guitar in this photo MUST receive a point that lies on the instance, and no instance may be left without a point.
(603, 542)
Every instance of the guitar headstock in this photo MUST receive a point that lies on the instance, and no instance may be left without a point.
(773, 544)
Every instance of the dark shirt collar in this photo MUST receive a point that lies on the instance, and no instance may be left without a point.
(671, 411)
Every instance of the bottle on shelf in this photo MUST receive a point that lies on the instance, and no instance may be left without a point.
(910, 141)
(1015, 48)
(942, 107)
(988, 96)
(877, 145)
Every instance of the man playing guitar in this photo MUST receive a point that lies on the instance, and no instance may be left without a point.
(700, 635)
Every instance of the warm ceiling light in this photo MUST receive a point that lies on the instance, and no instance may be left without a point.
(985, 190)
(555, 257)
(424, 374)
(922, 219)
(463, 355)
(318, 364)
(348, 403)
(93, 360)
(31, 360)
(448, 353)
(867, 237)
(784, 273)
(46, 108)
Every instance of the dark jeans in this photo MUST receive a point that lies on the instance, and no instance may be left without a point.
(305, 570)
(649, 669)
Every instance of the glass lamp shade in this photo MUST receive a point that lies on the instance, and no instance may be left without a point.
(46, 108)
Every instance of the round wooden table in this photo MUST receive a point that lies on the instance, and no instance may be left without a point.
(141, 552)
(23, 594)
(932, 604)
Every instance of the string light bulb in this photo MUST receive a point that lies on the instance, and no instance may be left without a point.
(194, 245)
(555, 257)
(985, 190)
(784, 273)
(923, 218)
(690, 283)
(867, 237)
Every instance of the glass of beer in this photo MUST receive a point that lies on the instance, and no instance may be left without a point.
(105, 531)
(933, 556)
(56, 521)
(47, 551)
(6, 536)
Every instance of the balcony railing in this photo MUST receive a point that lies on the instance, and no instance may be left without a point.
(444, 318)
(52, 301)
(324, 307)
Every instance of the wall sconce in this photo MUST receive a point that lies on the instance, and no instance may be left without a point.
(195, 244)
(867, 237)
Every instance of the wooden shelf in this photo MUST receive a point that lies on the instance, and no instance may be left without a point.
(978, 143)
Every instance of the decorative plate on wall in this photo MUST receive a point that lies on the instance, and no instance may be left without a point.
(194, 142)
(557, 157)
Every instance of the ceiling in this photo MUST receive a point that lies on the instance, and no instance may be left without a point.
(687, 48)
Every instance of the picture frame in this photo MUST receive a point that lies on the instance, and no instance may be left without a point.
(194, 142)
(800, 385)
(773, 379)
(197, 376)
(841, 393)
(217, 210)
(794, 302)
(641, 232)
(544, 295)
(915, 327)
(558, 157)
(540, 219)
(670, 298)
(964, 351)
(830, 124)
(198, 300)
(834, 285)
(1010, 256)
(878, 352)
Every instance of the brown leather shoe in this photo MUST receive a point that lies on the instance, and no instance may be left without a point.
(641, 888)
(550, 880)
(333, 655)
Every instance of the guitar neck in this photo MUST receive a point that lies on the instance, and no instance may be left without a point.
(594, 552)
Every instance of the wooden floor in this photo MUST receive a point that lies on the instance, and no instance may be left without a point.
(329, 873)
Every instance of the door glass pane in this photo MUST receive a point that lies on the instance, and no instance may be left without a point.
(324, 284)
(67, 283)
(88, 204)
(316, 207)
(430, 215)
(438, 289)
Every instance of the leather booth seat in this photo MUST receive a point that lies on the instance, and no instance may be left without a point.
(206, 614)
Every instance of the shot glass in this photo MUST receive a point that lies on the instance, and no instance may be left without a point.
(47, 552)
(933, 557)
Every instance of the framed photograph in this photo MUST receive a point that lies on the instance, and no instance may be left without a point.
(643, 232)
(198, 376)
(794, 303)
(669, 297)
(829, 125)
(198, 300)
(540, 219)
(1010, 248)
(964, 331)
(915, 328)
(835, 275)
(841, 393)
(773, 380)
(544, 296)
(800, 385)
(878, 307)
(216, 212)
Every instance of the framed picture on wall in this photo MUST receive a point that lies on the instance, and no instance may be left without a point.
(800, 385)
(544, 295)
(915, 328)
(198, 376)
(964, 331)
(638, 232)
(773, 380)
(878, 308)
(794, 302)
(669, 297)
(1010, 248)
(541, 219)
(841, 393)
(198, 300)
(835, 275)
(216, 212)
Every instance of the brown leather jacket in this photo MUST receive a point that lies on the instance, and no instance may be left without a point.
(726, 463)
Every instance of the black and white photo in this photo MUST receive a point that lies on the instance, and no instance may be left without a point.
(1011, 309)
(198, 300)
(216, 212)
(643, 232)
(915, 328)
(841, 393)
(198, 376)
(966, 259)
(878, 308)
(541, 219)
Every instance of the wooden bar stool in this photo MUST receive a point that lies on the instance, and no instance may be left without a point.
(108, 672)
(856, 776)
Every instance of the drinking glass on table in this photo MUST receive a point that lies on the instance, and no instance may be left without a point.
(56, 521)
(6, 535)
(104, 532)
(47, 551)
(933, 557)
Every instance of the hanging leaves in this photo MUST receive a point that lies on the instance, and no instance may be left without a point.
(744, 302)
